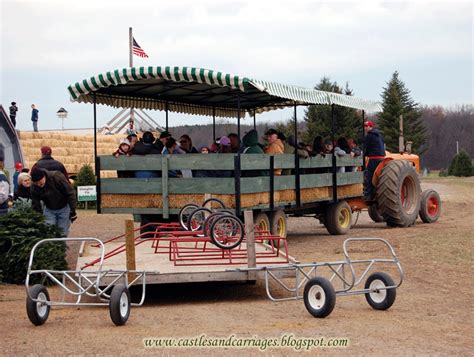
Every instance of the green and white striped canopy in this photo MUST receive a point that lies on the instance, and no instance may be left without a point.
(200, 91)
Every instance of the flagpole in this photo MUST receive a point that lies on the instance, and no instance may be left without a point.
(130, 45)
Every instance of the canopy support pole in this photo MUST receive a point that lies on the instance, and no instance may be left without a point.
(166, 109)
(213, 124)
(297, 164)
(254, 121)
(238, 115)
(96, 159)
(362, 139)
(334, 168)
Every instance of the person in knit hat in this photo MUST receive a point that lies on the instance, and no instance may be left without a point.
(57, 195)
(47, 162)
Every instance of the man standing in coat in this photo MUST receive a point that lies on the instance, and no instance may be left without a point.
(34, 117)
(47, 162)
(58, 196)
(375, 153)
(13, 110)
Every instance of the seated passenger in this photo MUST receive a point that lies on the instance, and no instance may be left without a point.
(234, 142)
(172, 148)
(275, 146)
(250, 145)
(328, 147)
(161, 141)
(342, 149)
(186, 144)
(318, 147)
(354, 148)
(123, 150)
(132, 138)
(146, 147)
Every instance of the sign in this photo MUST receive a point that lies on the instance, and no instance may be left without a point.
(86, 193)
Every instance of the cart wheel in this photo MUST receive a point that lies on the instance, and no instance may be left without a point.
(213, 200)
(430, 207)
(119, 304)
(319, 297)
(227, 232)
(379, 297)
(38, 311)
(197, 217)
(278, 223)
(184, 213)
(208, 222)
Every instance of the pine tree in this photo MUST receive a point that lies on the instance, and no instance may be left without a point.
(396, 101)
(348, 122)
(462, 164)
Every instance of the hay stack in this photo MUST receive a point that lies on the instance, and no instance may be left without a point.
(73, 151)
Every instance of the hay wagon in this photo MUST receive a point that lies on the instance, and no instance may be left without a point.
(205, 92)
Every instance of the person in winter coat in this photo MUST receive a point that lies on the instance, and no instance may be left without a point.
(4, 192)
(375, 152)
(250, 145)
(57, 195)
(146, 147)
(24, 187)
(275, 146)
(34, 117)
(47, 162)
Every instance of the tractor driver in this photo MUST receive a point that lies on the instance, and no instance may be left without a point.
(375, 153)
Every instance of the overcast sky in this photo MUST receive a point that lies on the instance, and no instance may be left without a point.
(47, 45)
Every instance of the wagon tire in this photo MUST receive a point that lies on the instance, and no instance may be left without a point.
(374, 214)
(398, 193)
(262, 221)
(430, 206)
(278, 223)
(338, 219)
(380, 299)
(319, 297)
(119, 304)
(38, 312)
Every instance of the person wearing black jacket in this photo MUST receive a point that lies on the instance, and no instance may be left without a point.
(375, 153)
(58, 196)
(48, 163)
(146, 147)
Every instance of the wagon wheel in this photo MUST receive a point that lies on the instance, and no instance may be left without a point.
(227, 232)
(197, 218)
(430, 206)
(38, 311)
(319, 297)
(119, 304)
(338, 219)
(379, 297)
(184, 213)
(214, 200)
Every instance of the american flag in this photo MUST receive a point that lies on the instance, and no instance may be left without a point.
(137, 50)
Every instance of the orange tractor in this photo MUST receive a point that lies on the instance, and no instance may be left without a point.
(398, 197)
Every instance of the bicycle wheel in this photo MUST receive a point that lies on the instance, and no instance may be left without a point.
(227, 232)
(197, 218)
(184, 214)
(213, 200)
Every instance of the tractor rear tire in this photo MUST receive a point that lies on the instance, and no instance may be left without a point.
(430, 208)
(374, 214)
(398, 193)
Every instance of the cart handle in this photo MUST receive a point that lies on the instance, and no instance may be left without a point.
(82, 239)
(387, 244)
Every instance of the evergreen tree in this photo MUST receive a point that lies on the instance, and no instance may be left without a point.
(348, 122)
(462, 164)
(396, 101)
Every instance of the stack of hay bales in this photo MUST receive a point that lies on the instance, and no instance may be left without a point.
(73, 151)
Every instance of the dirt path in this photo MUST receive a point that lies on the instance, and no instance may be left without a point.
(433, 313)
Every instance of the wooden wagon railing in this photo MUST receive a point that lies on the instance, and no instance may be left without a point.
(166, 195)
